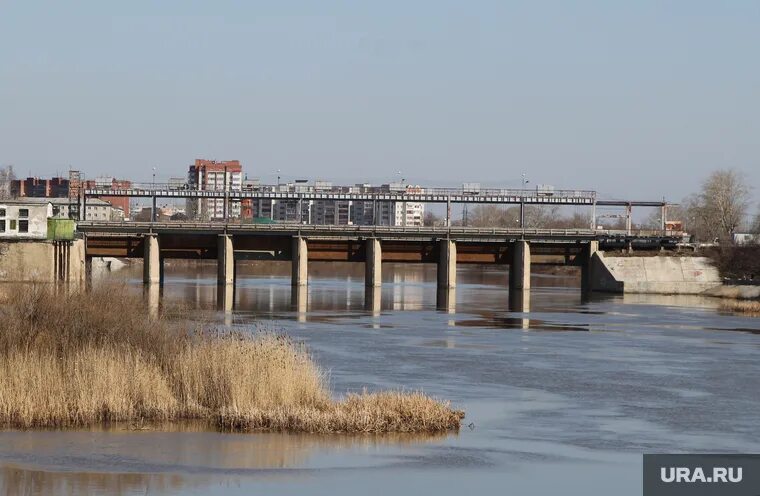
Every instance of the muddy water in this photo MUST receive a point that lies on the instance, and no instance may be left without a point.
(565, 397)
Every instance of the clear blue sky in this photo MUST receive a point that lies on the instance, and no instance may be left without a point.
(633, 99)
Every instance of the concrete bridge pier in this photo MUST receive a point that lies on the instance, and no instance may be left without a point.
(300, 271)
(299, 300)
(586, 265)
(153, 264)
(519, 278)
(225, 300)
(447, 264)
(373, 263)
(152, 295)
(446, 299)
(519, 301)
(519, 269)
(373, 300)
(225, 260)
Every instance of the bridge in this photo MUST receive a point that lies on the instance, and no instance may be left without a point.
(300, 244)
(449, 196)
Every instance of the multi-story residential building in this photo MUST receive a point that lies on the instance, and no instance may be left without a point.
(211, 175)
(342, 212)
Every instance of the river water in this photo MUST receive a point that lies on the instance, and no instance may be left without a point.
(563, 399)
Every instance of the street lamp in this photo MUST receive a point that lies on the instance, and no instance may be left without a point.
(154, 178)
(403, 204)
(278, 178)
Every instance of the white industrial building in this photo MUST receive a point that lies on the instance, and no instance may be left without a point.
(25, 219)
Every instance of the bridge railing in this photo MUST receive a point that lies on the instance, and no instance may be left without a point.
(347, 190)
(375, 230)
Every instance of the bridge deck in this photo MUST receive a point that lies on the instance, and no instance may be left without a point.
(383, 232)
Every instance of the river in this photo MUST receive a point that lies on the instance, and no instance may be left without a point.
(564, 398)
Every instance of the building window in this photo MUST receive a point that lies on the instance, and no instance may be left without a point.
(13, 224)
(2, 212)
(23, 226)
(23, 212)
(2, 225)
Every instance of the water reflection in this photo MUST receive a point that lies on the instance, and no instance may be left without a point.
(19, 481)
(170, 459)
(263, 287)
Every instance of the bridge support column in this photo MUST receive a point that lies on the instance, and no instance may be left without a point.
(153, 270)
(373, 299)
(299, 299)
(300, 272)
(152, 296)
(373, 263)
(225, 260)
(585, 262)
(519, 301)
(447, 265)
(519, 270)
(225, 300)
(225, 278)
(446, 299)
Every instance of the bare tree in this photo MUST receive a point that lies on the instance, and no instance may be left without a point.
(536, 216)
(492, 216)
(726, 198)
(430, 219)
(718, 209)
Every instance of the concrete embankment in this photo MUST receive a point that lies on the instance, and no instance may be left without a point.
(653, 275)
(42, 261)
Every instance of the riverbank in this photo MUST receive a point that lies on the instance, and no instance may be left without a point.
(79, 359)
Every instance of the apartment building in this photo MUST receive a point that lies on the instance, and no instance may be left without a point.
(212, 175)
(342, 212)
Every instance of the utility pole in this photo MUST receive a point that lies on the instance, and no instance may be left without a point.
(153, 203)
(522, 201)
(226, 194)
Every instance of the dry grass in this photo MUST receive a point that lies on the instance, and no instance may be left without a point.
(750, 308)
(80, 359)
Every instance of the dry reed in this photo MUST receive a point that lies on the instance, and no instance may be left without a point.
(750, 308)
(84, 358)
